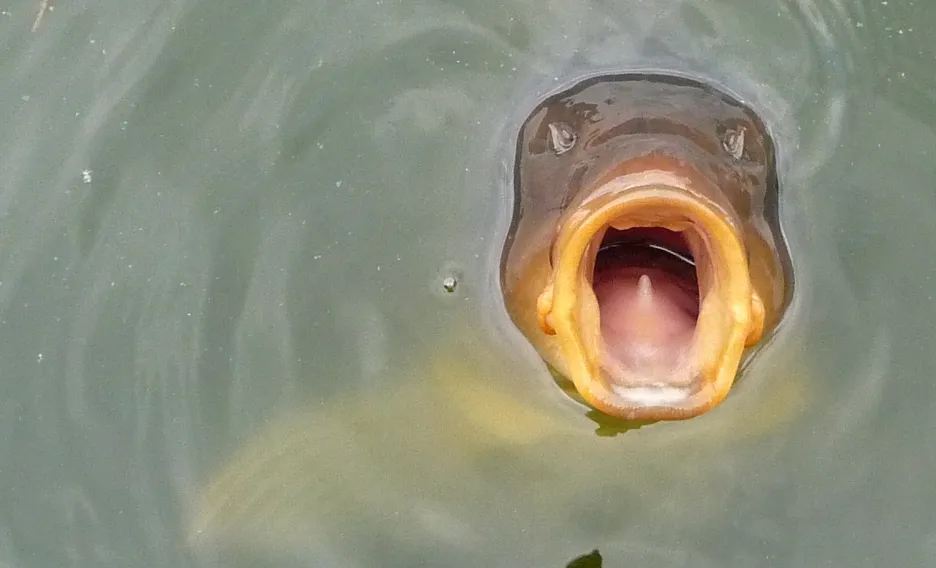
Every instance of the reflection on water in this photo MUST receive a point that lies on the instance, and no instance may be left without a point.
(277, 194)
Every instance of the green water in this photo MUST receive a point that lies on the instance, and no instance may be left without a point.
(215, 216)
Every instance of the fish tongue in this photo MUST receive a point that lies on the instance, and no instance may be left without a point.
(644, 323)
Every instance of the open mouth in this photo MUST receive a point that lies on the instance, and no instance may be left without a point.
(651, 302)
(647, 288)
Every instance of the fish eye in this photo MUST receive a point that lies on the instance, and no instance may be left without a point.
(561, 137)
(740, 141)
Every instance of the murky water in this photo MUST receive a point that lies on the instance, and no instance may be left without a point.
(223, 220)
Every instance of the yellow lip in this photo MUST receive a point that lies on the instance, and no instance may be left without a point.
(731, 314)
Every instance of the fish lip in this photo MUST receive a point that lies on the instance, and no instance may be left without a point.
(653, 199)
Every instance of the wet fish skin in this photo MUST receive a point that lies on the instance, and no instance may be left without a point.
(605, 128)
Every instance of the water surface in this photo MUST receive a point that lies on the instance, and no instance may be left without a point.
(218, 216)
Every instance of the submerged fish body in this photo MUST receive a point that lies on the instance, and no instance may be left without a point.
(645, 253)
(443, 463)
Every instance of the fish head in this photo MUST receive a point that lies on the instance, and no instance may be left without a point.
(645, 255)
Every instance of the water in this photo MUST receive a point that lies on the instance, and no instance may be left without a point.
(221, 218)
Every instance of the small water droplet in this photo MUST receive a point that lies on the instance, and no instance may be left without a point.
(562, 137)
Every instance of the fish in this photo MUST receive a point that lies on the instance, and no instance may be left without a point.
(631, 189)
(645, 256)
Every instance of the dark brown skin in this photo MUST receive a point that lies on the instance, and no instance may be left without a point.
(577, 153)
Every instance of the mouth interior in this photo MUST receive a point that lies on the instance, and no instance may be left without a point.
(647, 287)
